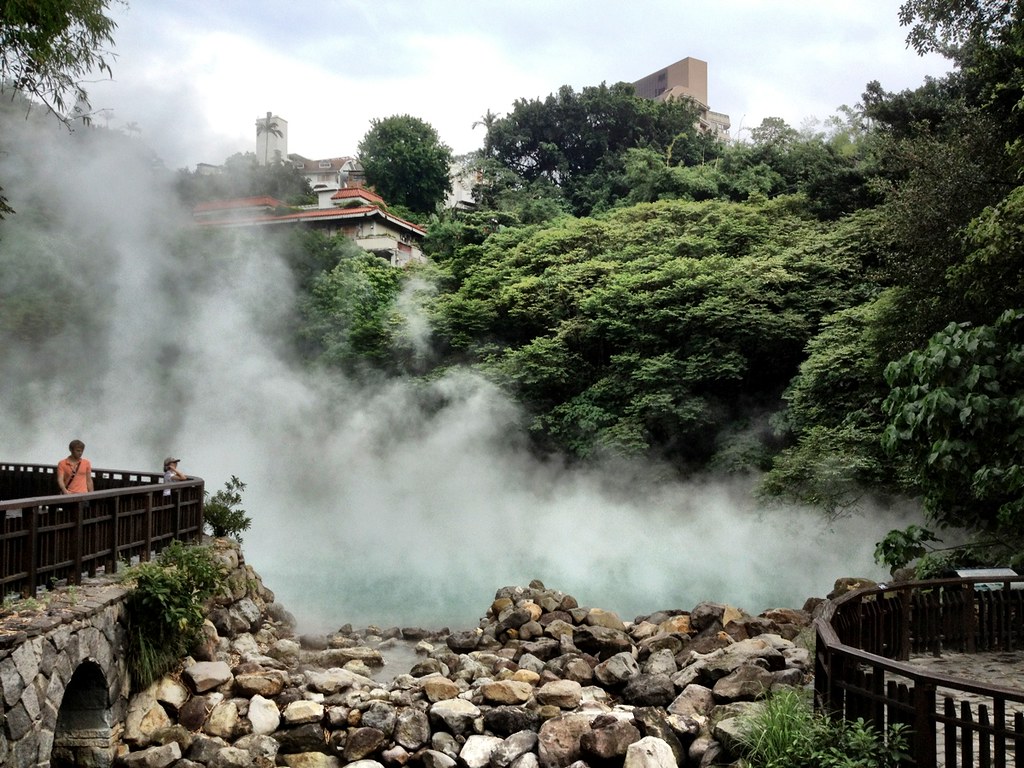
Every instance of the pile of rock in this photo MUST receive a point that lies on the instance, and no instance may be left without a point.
(542, 682)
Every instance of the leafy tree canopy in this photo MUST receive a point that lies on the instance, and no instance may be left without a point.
(242, 175)
(47, 47)
(405, 161)
(956, 418)
(649, 328)
(577, 141)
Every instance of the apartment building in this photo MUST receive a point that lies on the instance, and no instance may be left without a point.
(687, 78)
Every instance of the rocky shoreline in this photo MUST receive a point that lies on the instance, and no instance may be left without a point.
(542, 682)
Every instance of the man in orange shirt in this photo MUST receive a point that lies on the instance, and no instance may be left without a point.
(74, 473)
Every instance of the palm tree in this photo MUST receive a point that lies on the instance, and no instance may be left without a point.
(267, 125)
(487, 120)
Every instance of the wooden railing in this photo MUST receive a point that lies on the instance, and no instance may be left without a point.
(864, 642)
(48, 539)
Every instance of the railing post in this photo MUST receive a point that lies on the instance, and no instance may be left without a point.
(201, 491)
(972, 619)
(115, 539)
(76, 575)
(903, 654)
(149, 527)
(822, 672)
(924, 724)
(31, 554)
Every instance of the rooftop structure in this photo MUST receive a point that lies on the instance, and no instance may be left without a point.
(357, 214)
(687, 78)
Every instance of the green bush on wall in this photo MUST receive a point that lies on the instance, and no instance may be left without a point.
(165, 608)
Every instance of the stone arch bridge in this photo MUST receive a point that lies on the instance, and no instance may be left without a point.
(63, 679)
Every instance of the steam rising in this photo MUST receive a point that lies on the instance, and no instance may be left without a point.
(401, 504)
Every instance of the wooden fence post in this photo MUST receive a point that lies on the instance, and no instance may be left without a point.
(76, 576)
(924, 724)
(31, 556)
(905, 603)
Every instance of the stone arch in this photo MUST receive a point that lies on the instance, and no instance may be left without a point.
(83, 734)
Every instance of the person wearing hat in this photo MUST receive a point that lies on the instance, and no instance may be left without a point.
(171, 472)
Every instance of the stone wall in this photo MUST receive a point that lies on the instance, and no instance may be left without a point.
(42, 652)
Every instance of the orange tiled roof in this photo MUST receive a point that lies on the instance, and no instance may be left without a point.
(357, 193)
(297, 216)
(262, 201)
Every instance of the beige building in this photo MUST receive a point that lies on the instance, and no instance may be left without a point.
(687, 78)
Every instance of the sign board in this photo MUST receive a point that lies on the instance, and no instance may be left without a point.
(995, 573)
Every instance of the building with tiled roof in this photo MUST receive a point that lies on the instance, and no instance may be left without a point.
(357, 214)
(329, 173)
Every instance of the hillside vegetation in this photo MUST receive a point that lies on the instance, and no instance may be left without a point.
(837, 307)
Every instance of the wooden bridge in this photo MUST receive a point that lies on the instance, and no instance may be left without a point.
(48, 538)
(865, 643)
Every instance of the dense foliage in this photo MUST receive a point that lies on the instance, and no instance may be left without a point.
(774, 305)
(165, 610)
(406, 162)
(242, 175)
(653, 328)
(956, 420)
(836, 307)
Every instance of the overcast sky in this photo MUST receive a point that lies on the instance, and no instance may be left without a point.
(195, 75)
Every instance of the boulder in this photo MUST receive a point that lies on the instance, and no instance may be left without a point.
(478, 749)
(558, 742)
(617, 669)
(204, 676)
(649, 752)
(454, 715)
(608, 740)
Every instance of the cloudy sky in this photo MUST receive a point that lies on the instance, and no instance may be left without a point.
(194, 76)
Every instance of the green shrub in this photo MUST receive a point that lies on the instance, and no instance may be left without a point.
(782, 734)
(221, 513)
(787, 733)
(165, 608)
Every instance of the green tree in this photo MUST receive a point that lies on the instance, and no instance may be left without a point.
(956, 421)
(47, 47)
(486, 121)
(649, 329)
(577, 141)
(350, 319)
(242, 175)
(405, 161)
